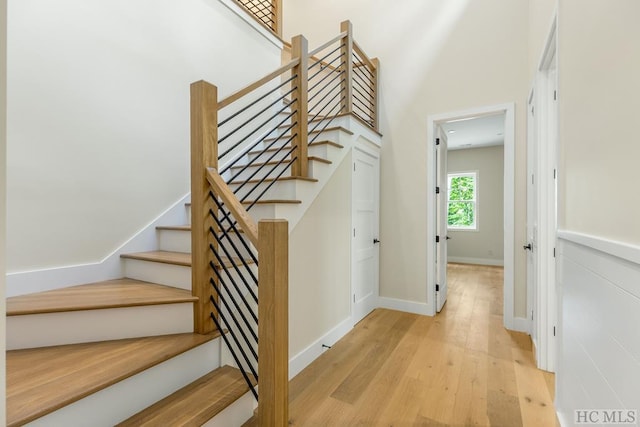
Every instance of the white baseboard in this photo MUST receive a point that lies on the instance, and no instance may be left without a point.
(521, 324)
(111, 267)
(479, 261)
(301, 360)
(404, 305)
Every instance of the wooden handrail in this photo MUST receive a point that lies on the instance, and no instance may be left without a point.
(273, 329)
(222, 190)
(363, 55)
(253, 86)
(326, 45)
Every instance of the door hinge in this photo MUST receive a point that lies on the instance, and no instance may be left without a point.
(532, 175)
(354, 232)
(437, 239)
(437, 288)
(554, 173)
(354, 167)
(555, 95)
(354, 298)
(554, 331)
(554, 252)
(437, 190)
(437, 141)
(531, 314)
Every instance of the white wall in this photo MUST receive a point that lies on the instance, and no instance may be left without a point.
(437, 56)
(98, 116)
(3, 134)
(320, 263)
(599, 65)
(486, 244)
(598, 89)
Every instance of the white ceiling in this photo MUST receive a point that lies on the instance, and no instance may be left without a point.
(475, 132)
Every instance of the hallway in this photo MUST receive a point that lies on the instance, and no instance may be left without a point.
(459, 368)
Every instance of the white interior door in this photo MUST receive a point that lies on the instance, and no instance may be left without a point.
(365, 248)
(442, 191)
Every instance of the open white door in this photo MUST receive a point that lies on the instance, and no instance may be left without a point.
(531, 245)
(442, 189)
(365, 248)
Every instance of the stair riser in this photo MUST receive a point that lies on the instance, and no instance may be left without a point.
(276, 190)
(248, 173)
(235, 414)
(49, 329)
(319, 150)
(177, 276)
(128, 397)
(174, 240)
(327, 135)
(180, 241)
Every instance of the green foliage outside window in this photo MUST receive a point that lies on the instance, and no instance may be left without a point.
(461, 205)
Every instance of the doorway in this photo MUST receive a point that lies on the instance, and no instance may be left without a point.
(436, 238)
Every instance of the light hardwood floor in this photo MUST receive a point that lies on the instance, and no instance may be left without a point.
(460, 368)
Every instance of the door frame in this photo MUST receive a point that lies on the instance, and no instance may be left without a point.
(545, 308)
(509, 203)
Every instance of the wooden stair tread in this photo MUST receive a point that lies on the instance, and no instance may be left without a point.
(109, 294)
(186, 227)
(313, 144)
(275, 162)
(282, 178)
(269, 201)
(177, 258)
(328, 129)
(196, 403)
(165, 257)
(42, 380)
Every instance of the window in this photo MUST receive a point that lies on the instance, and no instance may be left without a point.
(462, 211)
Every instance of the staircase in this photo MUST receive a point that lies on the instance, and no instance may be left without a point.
(124, 352)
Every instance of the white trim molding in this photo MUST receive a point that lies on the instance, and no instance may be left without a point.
(303, 359)
(405, 305)
(476, 261)
(626, 251)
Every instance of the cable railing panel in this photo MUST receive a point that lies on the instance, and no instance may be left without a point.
(242, 146)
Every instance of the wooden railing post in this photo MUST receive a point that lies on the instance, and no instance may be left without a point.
(204, 154)
(273, 329)
(300, 49)
(347, 55)
(276, 7)
(375, 97)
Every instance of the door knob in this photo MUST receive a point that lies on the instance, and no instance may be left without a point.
(375, 241)
(528, 247)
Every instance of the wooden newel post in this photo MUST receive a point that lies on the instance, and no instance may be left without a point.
(273, 329)
(300, 49)
(375, 97)
(204, 154)
(276, 7)
(347, 57)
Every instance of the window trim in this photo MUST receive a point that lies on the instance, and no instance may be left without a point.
(476, 223)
